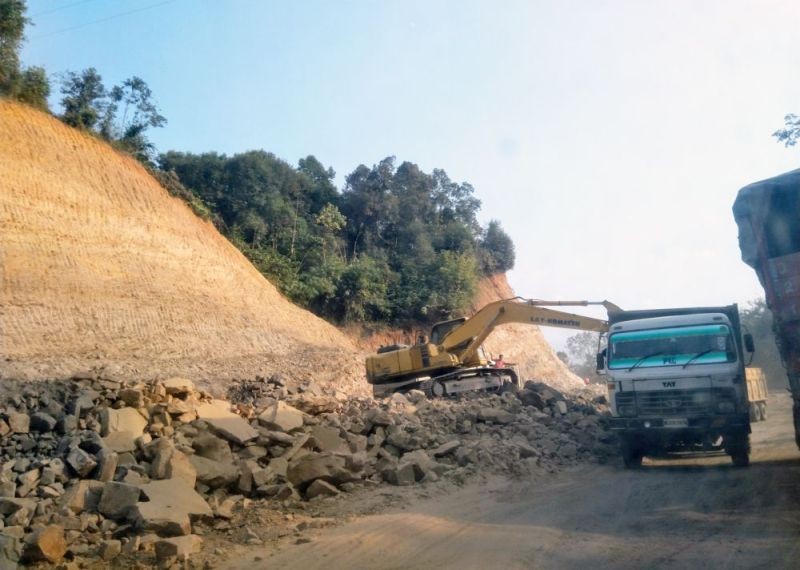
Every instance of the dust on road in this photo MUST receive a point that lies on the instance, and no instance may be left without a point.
(690, 513)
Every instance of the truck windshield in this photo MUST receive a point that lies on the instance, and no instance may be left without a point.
(676, 346)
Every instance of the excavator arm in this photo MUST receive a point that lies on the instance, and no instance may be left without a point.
(466, 338)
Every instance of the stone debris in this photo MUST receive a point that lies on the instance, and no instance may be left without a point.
(98, 468)
(45, 545)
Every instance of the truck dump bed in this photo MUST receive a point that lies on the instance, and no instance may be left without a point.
(768, 216)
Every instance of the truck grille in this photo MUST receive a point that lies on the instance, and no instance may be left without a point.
(675, 402)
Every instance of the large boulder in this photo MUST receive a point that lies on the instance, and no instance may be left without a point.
(125, 420)
(171, 504)
(231, 426)
(326, 466)
(215, 474)
(282, 417)
(117, 499)
(45, 545)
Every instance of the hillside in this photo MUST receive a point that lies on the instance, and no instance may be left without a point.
(103, 270)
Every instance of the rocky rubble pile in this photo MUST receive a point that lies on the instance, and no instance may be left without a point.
(98, 468)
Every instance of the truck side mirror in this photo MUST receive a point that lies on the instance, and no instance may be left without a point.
(749, 345)
(601, 362)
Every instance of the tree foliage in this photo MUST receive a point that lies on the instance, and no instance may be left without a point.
(12, 29)
(397, 244)
(790, 133)
(29, 85)
(497, 248)
(84, 99)
(581, 355)
(121, 115)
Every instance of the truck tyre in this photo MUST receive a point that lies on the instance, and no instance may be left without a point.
(763, 407)
(759, 417)
(631, 454)
(753, 407)
(796, 416)
(738, 447)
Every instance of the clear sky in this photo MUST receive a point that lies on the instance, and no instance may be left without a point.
(609, 137)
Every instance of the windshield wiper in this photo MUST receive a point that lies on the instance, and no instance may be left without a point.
(643, 358)
(696, 356)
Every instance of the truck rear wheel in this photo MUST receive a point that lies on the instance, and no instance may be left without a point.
(763, 407)
(796, 416)
(632, 455)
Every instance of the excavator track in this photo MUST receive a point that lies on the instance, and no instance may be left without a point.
(475, 379)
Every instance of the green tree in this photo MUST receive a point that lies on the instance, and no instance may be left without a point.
(790, 133)
(362, 291)
(129, 112)
(582, 355)
(84, 99)
(33, 87)
(12, 30)
(331, 220)
(497, 249)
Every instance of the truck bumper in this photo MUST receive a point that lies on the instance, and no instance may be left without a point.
(701, 424)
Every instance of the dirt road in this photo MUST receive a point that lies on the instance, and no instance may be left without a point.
(671, 514)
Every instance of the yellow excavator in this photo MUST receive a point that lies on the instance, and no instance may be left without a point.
(452, 360)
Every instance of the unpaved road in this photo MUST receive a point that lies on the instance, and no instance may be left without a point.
(698, 513)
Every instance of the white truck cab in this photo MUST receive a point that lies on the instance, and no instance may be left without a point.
(676, 382)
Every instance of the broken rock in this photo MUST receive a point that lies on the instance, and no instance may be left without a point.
(180, 547)
(227, 424)
(169, 508)
(83, 463)
(19, 423)
(320, 488)
(281, 417)
(125, 419)
(117, 499)
(46, 545)
(308, 468)
(495, 415)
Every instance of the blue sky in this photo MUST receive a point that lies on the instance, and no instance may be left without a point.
(609, 137)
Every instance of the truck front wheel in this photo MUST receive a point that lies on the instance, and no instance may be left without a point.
(738, 447)
(632, 454)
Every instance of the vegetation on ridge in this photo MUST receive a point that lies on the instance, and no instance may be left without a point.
(396, 245)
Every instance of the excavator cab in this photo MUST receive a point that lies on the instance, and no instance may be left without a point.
(442, 329)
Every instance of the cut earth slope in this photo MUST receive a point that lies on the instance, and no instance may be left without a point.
(103, 272)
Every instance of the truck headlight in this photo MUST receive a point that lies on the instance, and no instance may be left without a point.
(726, 407)
(627, 410)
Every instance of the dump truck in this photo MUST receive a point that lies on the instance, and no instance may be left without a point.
(756, 394)
(676, 382)
(452, 359)
(767, 214)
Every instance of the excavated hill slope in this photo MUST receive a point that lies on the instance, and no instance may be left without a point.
(101, 269)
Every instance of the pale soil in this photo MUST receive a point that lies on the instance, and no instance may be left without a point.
(100, 267)
(691, 513)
